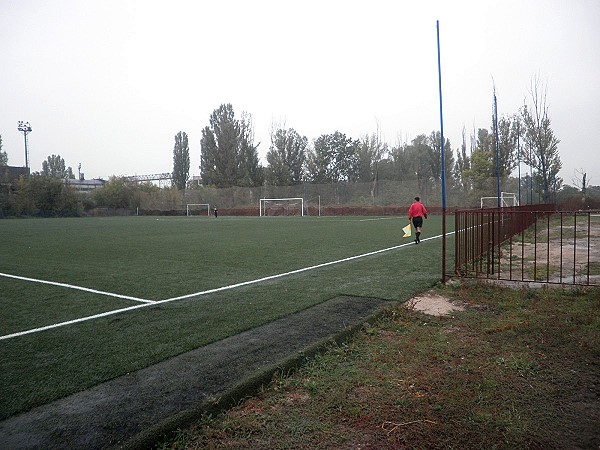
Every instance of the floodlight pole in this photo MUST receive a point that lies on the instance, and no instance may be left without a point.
(437, 24)
(25, 128)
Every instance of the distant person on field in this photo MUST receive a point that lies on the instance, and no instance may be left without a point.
(216, 212)
(416, 212)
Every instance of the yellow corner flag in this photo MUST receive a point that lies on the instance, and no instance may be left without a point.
(407, 230)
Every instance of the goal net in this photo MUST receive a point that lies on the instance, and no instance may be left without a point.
(198, 209)
(506, 199)
(281, 206)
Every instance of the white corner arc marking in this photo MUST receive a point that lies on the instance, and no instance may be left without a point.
(79, 288)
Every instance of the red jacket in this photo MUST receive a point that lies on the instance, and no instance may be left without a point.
(417, 210)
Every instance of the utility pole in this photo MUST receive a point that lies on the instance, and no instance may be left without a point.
(25, 128)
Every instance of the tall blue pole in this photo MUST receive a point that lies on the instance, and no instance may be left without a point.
(441, 120)
(497, 146)
(437, 25)
(519, 157)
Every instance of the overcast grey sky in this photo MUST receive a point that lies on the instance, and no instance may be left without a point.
(108, 83)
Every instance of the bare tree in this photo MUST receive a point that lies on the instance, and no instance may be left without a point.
(539, 136)
(583, 182)
(463, 163)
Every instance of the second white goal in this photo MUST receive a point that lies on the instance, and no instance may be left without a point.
(506, 199)
(281, 206)
(198, 209)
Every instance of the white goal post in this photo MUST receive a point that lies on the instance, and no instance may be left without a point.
(197, 207)
(506, 199)
(282, 202)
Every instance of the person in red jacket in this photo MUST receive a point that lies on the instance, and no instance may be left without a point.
(416, 212)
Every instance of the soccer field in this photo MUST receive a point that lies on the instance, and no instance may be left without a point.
(87, 300)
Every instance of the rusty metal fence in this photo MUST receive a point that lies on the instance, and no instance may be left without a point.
(532, 243)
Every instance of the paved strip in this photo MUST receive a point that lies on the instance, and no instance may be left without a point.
(143, 403)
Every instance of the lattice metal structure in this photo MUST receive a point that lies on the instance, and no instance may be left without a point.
(151, 177)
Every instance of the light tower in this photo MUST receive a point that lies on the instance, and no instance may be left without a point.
(25, 128)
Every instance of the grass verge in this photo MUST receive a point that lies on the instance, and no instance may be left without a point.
(516, 369)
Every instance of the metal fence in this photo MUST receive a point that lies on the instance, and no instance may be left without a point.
(381, 192)
(532, 243)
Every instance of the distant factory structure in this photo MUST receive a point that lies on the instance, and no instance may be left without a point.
(83, 185)
(9, 176)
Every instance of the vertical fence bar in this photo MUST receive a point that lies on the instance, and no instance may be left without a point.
(479, 244)
(480, 249)
(548, 250)
(589, 230)
(510, 253)
(535, 249)
(468, 240)
(457, 236)
(486, 245)
(523, 254)
(463, 241)
(501, 237)
(574, 245)
(491, 240)
(561, 246)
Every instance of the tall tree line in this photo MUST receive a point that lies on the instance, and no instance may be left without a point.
(229, 156)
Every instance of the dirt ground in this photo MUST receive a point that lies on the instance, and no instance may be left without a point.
(556, 256)
(433, 304)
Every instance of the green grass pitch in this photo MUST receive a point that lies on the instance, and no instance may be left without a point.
(162, 258)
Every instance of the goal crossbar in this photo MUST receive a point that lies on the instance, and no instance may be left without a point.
(262, 201)
(197, 204)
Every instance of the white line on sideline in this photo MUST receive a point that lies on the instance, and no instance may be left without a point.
(201, 293)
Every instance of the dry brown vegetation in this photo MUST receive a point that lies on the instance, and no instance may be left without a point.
(515, 369)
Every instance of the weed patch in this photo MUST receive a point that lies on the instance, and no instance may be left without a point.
(516, 369)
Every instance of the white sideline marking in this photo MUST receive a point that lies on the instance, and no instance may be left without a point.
(377, 218)
(198, 294)
(79, 288)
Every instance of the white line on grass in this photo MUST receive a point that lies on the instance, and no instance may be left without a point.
(377, 218)
(79, 288)
(210, 291)
(293, 272)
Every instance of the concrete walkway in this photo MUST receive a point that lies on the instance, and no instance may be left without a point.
(133, 410)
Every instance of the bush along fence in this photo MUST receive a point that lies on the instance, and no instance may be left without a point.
(534, 243)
